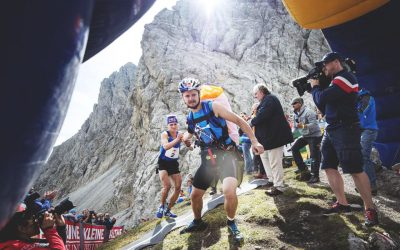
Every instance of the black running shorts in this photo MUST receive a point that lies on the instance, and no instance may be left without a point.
(172, 167)
(216, 163)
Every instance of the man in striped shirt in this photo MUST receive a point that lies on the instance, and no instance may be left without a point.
(341, 142)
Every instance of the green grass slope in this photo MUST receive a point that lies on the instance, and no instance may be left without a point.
(292, 220)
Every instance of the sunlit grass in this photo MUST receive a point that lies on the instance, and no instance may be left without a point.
(292, 220)
(130, 236)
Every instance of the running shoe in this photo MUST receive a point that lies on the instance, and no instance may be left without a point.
(194, 226)
(371, 217)
(236, 234)
(160, 212)
(169, 214)
(338, 208)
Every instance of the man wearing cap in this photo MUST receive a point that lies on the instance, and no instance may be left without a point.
(305, 121)
(168, 166)
(341, 141)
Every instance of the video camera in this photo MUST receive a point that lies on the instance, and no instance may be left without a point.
(35, 208)
(302, 85)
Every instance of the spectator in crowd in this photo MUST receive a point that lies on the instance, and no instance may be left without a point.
(321, 120)
(82, 215)
(71, 216)
(181, 197)
(246, 145)
(305, 121)
(99, 219)
(93, 217)
(257, 163)
(341, 142)
(259, 168)
(189, 185)
(367, 114)
(86, 216)
(273, 132)
(108, 223)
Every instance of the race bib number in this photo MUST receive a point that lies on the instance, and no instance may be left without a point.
(172, 153)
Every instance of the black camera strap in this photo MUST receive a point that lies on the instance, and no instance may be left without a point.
(298, 116)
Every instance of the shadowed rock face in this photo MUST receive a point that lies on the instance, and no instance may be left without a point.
(109, 165)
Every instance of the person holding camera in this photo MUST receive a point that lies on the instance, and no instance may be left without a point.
(305, 121)
(19, 231)
(341, 141)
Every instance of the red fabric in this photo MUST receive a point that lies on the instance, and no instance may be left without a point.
(55, 242)
(345, 85)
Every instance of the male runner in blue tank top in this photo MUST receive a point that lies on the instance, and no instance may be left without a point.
(207, 121)
(168, 166)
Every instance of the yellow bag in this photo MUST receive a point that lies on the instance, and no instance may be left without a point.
(216, 94)
(210, 92)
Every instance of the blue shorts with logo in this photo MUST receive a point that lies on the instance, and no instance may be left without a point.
(341, 145)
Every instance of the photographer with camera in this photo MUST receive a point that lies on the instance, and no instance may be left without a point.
(341, 140)
(305, 121)
(19, 231)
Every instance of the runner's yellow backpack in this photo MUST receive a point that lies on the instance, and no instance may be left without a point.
(215, 93)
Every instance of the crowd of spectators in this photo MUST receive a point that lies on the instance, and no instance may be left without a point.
(38, 214)
(90, 217)
(341, 112)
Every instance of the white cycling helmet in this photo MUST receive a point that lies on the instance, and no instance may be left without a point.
(188, 84)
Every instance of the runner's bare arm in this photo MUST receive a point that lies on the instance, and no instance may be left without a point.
(167, 145)
(222, 112)
(187, 139)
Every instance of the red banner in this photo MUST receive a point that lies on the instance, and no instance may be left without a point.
(89, 236)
